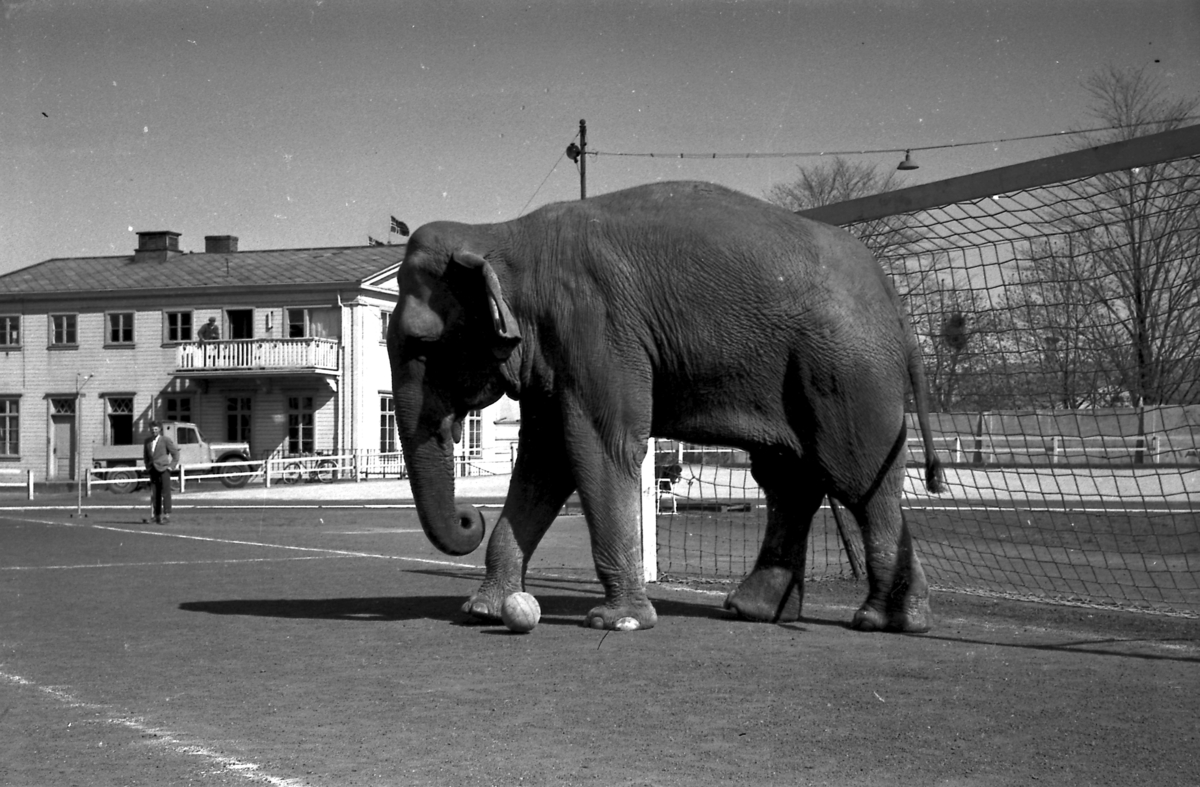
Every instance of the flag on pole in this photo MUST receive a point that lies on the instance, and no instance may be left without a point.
(372, 242)
(399, 227)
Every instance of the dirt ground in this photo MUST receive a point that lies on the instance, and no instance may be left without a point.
(320, 647)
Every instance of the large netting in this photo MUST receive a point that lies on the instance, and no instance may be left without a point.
(1060, 326)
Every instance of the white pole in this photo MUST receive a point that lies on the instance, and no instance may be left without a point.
(649, 517)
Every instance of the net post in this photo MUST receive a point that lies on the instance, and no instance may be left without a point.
(649, 522)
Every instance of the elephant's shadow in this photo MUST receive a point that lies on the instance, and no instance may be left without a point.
(557, 610)
(566, 607)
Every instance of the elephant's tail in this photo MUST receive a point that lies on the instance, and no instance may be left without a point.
(916, 373)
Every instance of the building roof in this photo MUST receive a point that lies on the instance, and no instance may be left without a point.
(349, 265)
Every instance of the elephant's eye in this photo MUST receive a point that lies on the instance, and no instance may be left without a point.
(414, 350)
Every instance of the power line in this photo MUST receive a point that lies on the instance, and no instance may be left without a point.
(548, 174)
(874, 151)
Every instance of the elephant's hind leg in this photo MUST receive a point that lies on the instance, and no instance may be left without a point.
(898, 595)
(774, 589)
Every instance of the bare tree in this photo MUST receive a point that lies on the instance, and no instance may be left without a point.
(1130, 240)
(1067, 339)
(840, 180)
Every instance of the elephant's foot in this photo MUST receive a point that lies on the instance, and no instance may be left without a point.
(769, 594)
(911, 617)
(631, 616)
(485, 603)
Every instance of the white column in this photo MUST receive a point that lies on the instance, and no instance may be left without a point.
(649, 485)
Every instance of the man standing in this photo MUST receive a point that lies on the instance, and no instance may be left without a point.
(210, 331)
(161, 455)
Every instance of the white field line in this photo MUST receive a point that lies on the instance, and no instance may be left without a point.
(157, 736)
(317, 550)
(175, 563)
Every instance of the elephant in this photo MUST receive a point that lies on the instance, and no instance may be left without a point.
(680, 310)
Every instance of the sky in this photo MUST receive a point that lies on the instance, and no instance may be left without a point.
(308, 123)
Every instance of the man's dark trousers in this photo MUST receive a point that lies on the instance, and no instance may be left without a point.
(160, 493)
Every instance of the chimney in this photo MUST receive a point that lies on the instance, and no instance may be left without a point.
(220, 244)
(156, 246)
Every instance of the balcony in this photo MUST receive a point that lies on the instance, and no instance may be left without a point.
(257, 356)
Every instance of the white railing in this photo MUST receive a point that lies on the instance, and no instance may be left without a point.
(1055, 449)
(26, 482)
(308, 353)
(276, 468)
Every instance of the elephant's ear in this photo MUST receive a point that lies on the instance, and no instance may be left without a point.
(504, 324)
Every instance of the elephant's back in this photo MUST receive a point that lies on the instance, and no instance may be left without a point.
(709, 270)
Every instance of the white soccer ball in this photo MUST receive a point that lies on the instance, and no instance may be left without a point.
(520, 612)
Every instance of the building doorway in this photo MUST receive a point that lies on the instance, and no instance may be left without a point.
(241, 323)
(63, 444)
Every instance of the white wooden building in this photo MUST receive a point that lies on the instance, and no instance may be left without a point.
(94, 348)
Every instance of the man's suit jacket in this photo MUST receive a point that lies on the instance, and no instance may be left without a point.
(163, 456)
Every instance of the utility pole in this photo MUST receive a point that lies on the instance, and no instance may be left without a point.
(578, 154)
(81, 382)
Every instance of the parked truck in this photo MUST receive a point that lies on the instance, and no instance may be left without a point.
(194, 451)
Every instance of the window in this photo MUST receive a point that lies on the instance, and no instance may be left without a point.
(385, 318)
(120, 419)
(474, 433)
(120, 328)
(237, 419)
(63, 330)
(179, 326)
(387, 424)
(300, 424)
(10, 426)
(315, 323)
(177, 408)
(62, 406)
(297, 323)
(10, 332)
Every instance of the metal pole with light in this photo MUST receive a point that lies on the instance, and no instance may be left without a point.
(80, 384)
(578, 154)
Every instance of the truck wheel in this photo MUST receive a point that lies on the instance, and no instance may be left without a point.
(234, 481)
(124, 482)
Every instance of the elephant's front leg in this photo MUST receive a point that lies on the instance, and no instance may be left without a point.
(610, 493)
(541, 482)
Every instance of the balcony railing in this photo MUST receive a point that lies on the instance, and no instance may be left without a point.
(258, 354)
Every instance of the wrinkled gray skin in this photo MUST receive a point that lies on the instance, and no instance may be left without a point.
(678, 310)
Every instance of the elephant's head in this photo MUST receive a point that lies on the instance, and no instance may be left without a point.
(449, 340)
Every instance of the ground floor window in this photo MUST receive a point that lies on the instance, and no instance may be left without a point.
(120, 420)
(300, 425)
(387, 424)
(473, 433)
(237, 419)
(178, 408)
(10, 426)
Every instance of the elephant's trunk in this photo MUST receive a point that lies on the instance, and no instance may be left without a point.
(455, 530)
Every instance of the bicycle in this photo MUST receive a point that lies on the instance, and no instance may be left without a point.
(322, 471)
